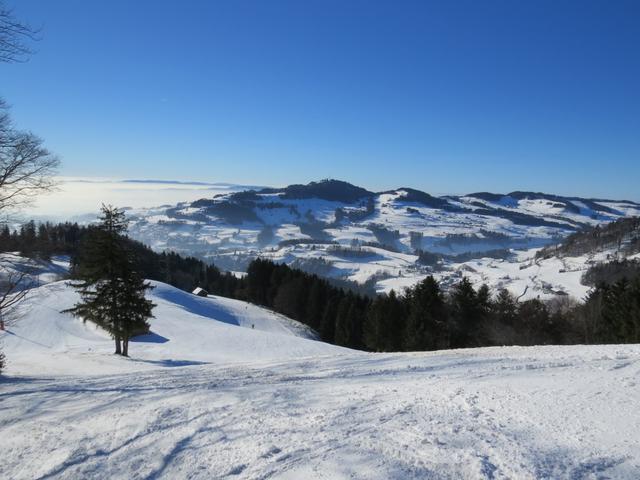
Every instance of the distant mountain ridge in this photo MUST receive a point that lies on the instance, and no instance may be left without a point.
(482, 203)
(341, 191)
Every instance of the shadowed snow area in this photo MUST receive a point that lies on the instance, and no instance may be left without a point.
(186, 328)
(205, 396)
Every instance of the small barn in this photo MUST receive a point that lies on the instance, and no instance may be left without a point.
(200, 292)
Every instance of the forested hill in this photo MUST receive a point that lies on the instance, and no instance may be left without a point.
(620, 237)
(343, 231)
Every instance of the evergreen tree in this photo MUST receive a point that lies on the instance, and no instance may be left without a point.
(290, 298)
(426, 327)
(465, 312)
(505, 307)
(112, 290)
(6, 243)
(384, 324)
(28, 235)
(315, 304)
(343, 321)
(620, 312)
(533, 323)
(502, 317)
(349, 321)
(328, 323)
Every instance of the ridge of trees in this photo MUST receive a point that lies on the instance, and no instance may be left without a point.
(424, 317)
(622, 234)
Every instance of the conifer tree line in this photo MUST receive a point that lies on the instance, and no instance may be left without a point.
(41, 240)
(424, 317)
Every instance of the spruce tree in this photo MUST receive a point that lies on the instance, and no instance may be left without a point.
(384, 324)
(503, 316)
(111, 289)
(533, 322)
(328, 322)
(466, 312)
(505, 307)
(315, 304)
(344, 321)
(426, 327)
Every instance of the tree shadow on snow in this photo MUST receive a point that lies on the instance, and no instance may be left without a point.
(170, 362)
(150, 337)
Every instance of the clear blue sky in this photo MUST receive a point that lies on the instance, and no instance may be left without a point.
(449, 97)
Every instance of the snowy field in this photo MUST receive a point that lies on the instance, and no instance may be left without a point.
(549, 412)
(222, 389)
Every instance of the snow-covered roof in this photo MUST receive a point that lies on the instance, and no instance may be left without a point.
(200, 291)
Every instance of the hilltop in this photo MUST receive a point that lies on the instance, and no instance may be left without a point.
(383, 240)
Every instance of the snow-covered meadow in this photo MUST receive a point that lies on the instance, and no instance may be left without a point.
(222, 389)
(549, 412)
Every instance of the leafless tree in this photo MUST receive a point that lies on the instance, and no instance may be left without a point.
(26, 167)
(15, 282)
(14, 37)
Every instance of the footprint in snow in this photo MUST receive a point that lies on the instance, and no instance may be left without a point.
(271, 452)
(237, 470)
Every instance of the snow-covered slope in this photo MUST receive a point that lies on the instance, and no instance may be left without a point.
(28, 272)
(186, 330)
(224, 389)
(500, 413)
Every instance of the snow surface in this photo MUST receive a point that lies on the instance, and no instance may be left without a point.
(186, 330)
(494, 413)
(38, 272)
(223, 389)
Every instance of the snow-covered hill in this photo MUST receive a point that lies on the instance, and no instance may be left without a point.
(404, 219)
(224, 389)
(499, 413)
(342, 231)
(186, 330)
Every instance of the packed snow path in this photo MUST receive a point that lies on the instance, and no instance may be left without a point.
(541, 412)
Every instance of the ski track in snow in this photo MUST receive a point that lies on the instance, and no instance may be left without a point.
(538, 412)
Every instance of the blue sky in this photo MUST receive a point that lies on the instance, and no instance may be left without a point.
(449, 97)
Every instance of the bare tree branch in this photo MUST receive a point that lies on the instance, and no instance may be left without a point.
(26, 167)
(15, 282)
(14, 37)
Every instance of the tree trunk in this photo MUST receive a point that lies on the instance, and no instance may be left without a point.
(125, 347)
(118, 347)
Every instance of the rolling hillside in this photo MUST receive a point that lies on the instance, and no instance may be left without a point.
(223, 389)
(338, 230)
(186, 330)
